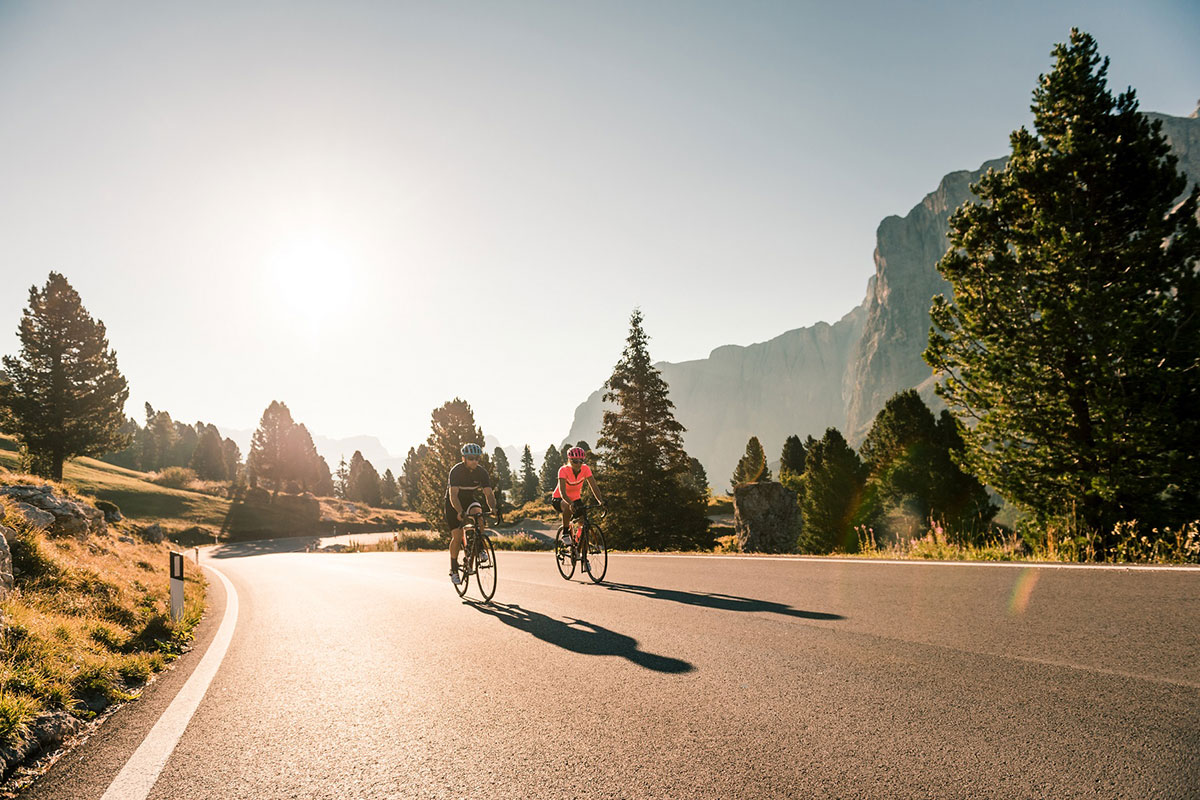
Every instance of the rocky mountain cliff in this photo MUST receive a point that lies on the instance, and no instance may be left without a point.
(808, 379)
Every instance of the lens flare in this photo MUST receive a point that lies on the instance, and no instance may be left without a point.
(1022, 591)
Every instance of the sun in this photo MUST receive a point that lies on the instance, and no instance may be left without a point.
(310, 279)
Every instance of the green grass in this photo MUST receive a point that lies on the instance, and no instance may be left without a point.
(86, 625)
(138, 498)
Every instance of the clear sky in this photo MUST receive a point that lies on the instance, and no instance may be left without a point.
(366, 209)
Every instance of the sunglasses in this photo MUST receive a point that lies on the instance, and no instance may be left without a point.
(470, 458)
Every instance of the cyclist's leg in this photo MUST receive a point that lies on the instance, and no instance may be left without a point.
(564, 508)
(456, 535)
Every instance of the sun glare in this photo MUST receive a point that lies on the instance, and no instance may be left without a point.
(310, 279)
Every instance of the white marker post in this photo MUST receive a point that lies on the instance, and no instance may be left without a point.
(176, 586)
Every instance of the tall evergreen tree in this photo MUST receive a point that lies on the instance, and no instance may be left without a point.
(1071, 341)
(699, 477)
(529, 478)
(550, 466)
(453, 425)
(751, 467)
(64, 395)
(653, 501)
(791, 459)
(501, 474)
(363, 483)
(301, 462)
(268, 446)
(233, 458)
(341, 479)
(911, 478)
(389, 490)
(834, 479)
(410, 476)
(208, 459)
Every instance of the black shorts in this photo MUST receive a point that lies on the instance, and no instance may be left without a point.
(452, 520)
(576, 505)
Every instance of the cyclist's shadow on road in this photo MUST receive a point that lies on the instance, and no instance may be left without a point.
(581, 636)
(723, 602)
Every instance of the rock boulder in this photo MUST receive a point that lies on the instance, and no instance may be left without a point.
(764, 517)
(58, 514)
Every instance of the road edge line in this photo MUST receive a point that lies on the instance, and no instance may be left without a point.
(140, 773)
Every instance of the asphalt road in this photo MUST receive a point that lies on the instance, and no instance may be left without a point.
(365, 676)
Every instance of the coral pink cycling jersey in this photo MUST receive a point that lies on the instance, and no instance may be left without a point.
(573, 481)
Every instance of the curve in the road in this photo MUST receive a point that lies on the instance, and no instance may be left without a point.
(137, 777)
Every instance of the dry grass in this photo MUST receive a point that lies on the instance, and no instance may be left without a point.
(87, 624)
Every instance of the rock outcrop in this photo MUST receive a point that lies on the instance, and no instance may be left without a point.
(773, 389)
(806, 380)
(58, 514)
(764, 517)
(6, 572)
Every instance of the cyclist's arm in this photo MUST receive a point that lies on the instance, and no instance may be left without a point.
(454, 501)
(491, 498)
(595, 489)
(562, 490)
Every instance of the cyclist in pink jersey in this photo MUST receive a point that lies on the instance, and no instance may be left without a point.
(571, 477)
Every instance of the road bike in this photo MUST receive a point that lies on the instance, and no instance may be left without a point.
(479, 556)
(582, 544)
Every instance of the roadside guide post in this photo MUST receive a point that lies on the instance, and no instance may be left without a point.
(176, 586)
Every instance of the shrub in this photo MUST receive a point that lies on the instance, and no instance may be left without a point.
(174, 477)
(17, 711)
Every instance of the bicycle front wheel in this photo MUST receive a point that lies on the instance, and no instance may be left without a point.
(485, 568)
(597, 554)
(465, 572)
(562, 554)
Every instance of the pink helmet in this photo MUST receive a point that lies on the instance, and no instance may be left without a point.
(577, 452)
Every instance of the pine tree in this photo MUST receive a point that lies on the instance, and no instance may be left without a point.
(302, 465)
(502, 477)
(699, 477)
(791, 459)
(186, 439)
(410, 476)
(751, 467)
(1070, 344)
(233, 459)
(389, 490)
(912, 479)
(268, 446)
(834, 479)
(341, 479)
(550, 466)
(208, 459)
(64, 395)
(453, 425)
(653, 502)
(529, 478)
(362, 485)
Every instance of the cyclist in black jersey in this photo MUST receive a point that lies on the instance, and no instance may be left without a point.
(469, 482)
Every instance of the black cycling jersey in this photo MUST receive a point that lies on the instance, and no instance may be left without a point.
(470, 483)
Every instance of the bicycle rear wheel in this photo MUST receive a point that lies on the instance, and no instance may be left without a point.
(465, 572)
(562, 554)
(485, 568)
(597, 554)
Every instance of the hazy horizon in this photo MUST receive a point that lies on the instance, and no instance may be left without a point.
(366, 209)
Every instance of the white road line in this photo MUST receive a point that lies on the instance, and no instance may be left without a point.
(137, 777)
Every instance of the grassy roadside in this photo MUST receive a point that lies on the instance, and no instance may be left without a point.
(87, 624)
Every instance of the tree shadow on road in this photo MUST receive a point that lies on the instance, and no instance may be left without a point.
(581, 636)
(262, 547)
(722, 602)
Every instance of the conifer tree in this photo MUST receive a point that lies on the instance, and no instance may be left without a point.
(699, 477)
(389, 490)
(302, 465)
(233, 459)
(452, 426)
(751, 467)
(341, 479)
(791, 459)
(529, 478)
(1069, 347)
(911, 478)
(502, 475)
(410, 476)
(63, 394)
(268, 446)
(550, 466)
(362, 485)
(648, 487)
(833, 482)
(208, 459)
